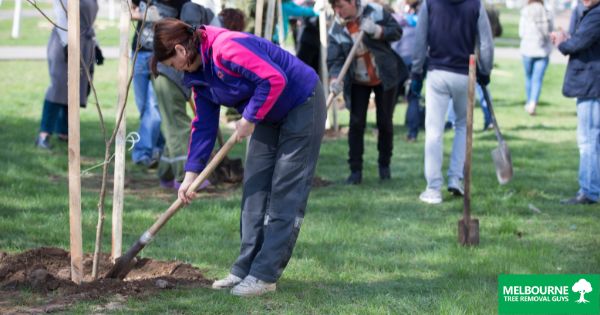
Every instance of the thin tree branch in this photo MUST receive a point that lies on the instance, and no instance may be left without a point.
(34, 4)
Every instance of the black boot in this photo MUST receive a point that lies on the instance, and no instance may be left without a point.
(384, 173)
(355, 178)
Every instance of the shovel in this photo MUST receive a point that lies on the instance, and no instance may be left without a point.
(346, 65)
(124, 263)
(501, 154)
(468, 228)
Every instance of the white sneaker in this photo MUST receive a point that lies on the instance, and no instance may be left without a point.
(228, 282)
(431, 196)
(251, 286)
(455, 186)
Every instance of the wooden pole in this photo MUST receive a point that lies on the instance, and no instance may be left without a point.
(323, 71)
(120, 141)
(269, 21)
(280, 30)
(260, 5)
(16, 20)
(74, 153)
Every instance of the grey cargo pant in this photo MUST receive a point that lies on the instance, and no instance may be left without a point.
(280, 165)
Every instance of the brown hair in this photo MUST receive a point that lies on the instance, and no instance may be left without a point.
(233, 19)
(534, 1)
(170, 32)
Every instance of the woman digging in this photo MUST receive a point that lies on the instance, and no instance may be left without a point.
(283, 112)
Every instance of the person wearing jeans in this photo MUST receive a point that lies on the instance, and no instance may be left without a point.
(147, 150)
(582, 46)
(535, 26)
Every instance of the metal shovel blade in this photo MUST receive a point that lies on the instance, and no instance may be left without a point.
(503, 163)
(468, 232)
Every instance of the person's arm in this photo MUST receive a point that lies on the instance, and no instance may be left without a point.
(391, 30)
(486, 43)
(203, 133)
(420, 47)
(251, 62)
(584, 37)
(335, 57)
(61, 20)
(292, 9)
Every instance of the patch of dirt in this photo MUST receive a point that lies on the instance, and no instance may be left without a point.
(45, 272)
(331, 134)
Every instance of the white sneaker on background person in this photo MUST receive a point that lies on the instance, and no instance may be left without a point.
(431, 196)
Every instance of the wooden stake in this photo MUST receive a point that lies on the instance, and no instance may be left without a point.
(16, 20)
(120, 141)
(323, 71)
(280, 30)
(260, 5)
(74, 153)
(269, 21)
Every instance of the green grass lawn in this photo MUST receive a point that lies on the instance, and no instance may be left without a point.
(368, 249)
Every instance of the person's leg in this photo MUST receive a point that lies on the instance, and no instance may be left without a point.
(528, 68)
(258, 174)
(62, 123)
(147, 107)
(537, 78)
(297, 155)
(385, 101)
(49, 115)
(174, 126)
(588, 141)
(358, 120)
(412, 114)
(458, 87)
(487, 115)
(437, 97)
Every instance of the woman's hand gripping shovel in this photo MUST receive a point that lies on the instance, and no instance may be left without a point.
(124, 263)
(346, 66)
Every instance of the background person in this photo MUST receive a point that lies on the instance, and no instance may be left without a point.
(535, 26)
(283, 109)
(581, 81)
(55, 110)
(447, 33)
(375, 68)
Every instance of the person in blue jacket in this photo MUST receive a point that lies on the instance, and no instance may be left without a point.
(582, 81)
(283, 112)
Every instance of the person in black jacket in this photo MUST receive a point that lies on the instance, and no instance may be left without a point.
(582, 81)
(375, 67)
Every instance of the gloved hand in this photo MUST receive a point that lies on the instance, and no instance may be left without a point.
(336, 86)
(483, 79)
(99, 55)
(368, 26)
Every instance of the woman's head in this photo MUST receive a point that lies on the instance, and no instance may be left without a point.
(176, 45)
(233, 19)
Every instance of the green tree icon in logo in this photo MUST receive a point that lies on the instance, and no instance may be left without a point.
(582, 287)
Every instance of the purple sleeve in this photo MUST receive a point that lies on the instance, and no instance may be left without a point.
(242, 56)
(203, 133)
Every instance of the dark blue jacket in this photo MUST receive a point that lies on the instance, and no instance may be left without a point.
(448, 32)
(582, 79)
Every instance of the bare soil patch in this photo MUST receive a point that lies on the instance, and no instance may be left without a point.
(38, 281)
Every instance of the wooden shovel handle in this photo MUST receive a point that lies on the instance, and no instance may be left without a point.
(469, 149)
(212, 165)
(346, 65)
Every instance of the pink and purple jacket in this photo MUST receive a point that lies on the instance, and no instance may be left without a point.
(260, 80)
